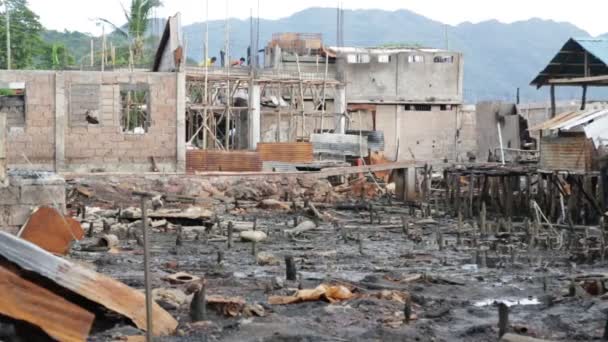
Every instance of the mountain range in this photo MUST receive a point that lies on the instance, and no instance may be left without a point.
(498, 57)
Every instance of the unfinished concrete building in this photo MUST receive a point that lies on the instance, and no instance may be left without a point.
(94, 121)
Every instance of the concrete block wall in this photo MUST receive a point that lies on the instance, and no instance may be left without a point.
(105, 146)
(32, 145)
(25, 192)
(422, 135)
(50, 140)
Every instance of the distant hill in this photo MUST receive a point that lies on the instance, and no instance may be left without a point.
(499, 57)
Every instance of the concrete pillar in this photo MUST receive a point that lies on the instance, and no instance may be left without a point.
(340, 105)
(60, 122)
(3, 141)
(180, 113)
(254, 116)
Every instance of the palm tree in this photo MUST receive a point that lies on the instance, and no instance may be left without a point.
(138, 19)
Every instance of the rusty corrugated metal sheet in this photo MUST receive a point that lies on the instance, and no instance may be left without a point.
(52, 231)
(288, 152)
(566, 153)
(103, 290)
(231, 161)
(57, 317)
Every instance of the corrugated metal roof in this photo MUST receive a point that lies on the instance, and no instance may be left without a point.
(598, 131)
(594, 122)
(597, 47)
(570, 120)
(570, 60)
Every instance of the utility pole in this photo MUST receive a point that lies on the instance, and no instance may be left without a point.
(8, 37)
(103, 47)
(92, 51)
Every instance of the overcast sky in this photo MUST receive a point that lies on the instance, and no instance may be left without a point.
(589, 15)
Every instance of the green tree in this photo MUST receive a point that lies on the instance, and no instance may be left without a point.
(25, 29)
(138, 19)
(55, 56)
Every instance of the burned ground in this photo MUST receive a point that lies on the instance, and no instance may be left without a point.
(451, 275)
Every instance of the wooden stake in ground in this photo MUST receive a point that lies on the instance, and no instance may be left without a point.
(229, 241)
(220, 257)
(407, 310)
(459, 231)
(404, 225)
(482, 219)
(439, 237)
(503, 319)
(91, 230)
(360, 240)
(178, 239)
(290, 268)
(605, 337)
(198, 306)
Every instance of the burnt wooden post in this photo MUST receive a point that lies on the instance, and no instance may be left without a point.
(528, 196)
(471, 188)
(290, 268)
(482, 220)
(457, 187)
(198, 306)
(229, 241)
(446, 196)
(407, 310)
(553, 109)
(503, 319)
(584, 97)
(459, 231)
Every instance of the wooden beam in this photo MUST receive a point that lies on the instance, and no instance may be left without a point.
(553, 109)
(584, 99)
(578, 80)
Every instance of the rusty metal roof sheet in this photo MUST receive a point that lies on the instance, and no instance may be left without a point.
(227, 161)
(26, 301)
(87, 283)
(288, 152)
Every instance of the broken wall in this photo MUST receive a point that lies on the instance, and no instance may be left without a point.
(487, 117)
(57, 136)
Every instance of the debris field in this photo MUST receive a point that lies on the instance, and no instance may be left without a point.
(314, 262)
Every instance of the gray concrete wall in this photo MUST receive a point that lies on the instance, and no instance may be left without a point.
(54, 136)
(403, 81)
(426, 135)
(487, 116)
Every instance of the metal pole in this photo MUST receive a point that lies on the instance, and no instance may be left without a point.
(144, 224)
(92, 52)
(103, 47)
(205, 98)
(8, 37)
(502, 151)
